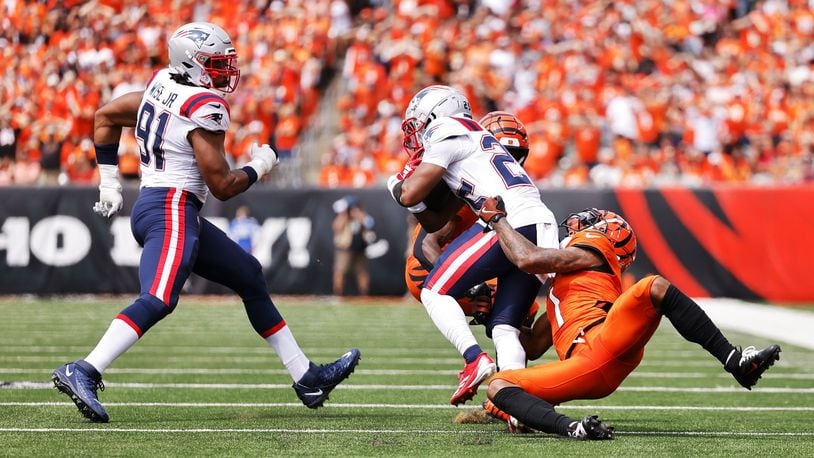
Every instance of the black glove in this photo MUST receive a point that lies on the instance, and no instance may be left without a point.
(481, 296)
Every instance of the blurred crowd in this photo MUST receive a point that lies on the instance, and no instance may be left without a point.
(62, 59)
(613, 93)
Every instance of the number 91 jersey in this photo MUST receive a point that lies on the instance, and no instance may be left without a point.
(169, 111)
(478, 167)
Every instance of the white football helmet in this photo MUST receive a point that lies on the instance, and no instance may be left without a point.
(431, 103)
(203, 54)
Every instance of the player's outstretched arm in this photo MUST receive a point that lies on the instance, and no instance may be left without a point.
(528, 256)
(223, 182)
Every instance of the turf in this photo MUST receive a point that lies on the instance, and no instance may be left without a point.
(201, 383)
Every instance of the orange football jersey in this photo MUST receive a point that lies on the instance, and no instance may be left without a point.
(579, 300)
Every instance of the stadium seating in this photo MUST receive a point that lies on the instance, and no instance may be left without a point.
(642, 93)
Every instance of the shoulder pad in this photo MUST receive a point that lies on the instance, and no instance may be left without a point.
(446, 127)
(207, 110)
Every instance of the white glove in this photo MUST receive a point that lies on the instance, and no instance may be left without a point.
(110, 191)
(392, 181)
(391, 185)
(264, 158)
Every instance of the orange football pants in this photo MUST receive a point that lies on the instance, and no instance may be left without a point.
(611, 351)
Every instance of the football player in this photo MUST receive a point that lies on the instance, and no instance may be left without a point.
(180, 122)
(453, 148)
(427, 247)
(598, 330)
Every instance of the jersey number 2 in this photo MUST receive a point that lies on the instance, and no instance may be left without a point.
(147, 124)
(503, 163)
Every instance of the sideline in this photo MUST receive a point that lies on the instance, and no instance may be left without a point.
(772, 322)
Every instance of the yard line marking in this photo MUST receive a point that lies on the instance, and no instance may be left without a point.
(379, 431)
(783, 324)
(394, 372)
(264, 405)
(276, 386)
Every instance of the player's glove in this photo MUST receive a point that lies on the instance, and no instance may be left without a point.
(481, 299)
(492, 210)
(263, 159)
(110, 191)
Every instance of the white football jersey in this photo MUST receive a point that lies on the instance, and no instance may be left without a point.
(168, 112)
(478, 167)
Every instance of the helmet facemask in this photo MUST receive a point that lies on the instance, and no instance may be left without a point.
(412, 129)
(615, 228)
(220, 70)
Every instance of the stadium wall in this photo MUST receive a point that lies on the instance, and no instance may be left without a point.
(749, 243)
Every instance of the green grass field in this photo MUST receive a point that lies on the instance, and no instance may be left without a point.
(203, 383)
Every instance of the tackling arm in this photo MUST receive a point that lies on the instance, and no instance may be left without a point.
(528, 256)
(537, 260)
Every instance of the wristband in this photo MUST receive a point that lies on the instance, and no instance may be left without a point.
(108, 174)
(494, 220)
(107, 154)
(394, 186)
(417, 208)
(251, 173)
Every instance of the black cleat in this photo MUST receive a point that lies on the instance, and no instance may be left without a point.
(79, 380)
(753, 364)
(315, 386)
(590, 429)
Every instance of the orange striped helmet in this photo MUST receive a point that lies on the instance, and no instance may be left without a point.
(509, 131)
(612, 225)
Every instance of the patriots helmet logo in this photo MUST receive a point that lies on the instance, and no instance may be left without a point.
(197, 36)
(216, 117)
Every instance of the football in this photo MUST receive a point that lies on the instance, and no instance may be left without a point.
(439, 197)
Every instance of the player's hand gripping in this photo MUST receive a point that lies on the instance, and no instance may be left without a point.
(263, 159)
(480, 297)
(110, 191)
(492, 210)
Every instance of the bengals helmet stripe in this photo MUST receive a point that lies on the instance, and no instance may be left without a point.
(612, 225)
(509, 131)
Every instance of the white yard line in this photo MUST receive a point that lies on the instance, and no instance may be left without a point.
(379, 431)
(384, 372)
(372, 387)
(775, 323)
(268, 405)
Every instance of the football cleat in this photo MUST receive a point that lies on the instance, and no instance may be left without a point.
(316, 384)
(590, 428)
(471, 377)
(494, 410)
(80, 380)
(753, 364)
